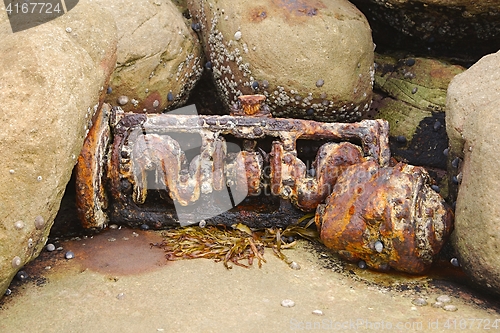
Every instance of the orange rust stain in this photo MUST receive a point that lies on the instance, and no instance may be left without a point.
(300, 7)
(296, 11)
(119, 252)
(258, 14)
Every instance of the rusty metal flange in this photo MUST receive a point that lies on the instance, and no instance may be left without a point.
(147, 148)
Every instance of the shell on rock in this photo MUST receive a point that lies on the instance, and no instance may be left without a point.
(391, 209)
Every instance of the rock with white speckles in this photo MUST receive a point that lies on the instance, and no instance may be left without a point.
(158, 52)
(50, 80)
(473, 128)
(304, 55)
(449, 27)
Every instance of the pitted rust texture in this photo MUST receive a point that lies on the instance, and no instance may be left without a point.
(385, 216)
(92, 201)
(144, 149)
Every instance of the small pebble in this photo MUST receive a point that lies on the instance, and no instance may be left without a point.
(144, 226)
(109, 90)
(450, 307)
(401, 139)
(69, 255)
(196, 26)
(310, 112)
(379, 246)
(446, 151)
(454, 262)
(443, 299)
(265, 84)
(414, 90)
(454, 179)
(48, 267)
(8, 292)
(255, 85)
(410, 62)
(317, 312)
(50, 247)
(455, 162)
(202, 224)
(237, 35)
(60, 248)
(437, 126)
(111, 239)
(436, 188)
(113, 226)
(294, 265)
(287, 303)
(120, 296)
(156, 103)
(437, 305)
(208, 65)
(122, 100)
(135, 234)
(419, 302)
(22, 276)
(320, 83)
(68, 29)
(362, 264)
(170, 96)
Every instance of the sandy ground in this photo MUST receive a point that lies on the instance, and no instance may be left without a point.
(118, 283)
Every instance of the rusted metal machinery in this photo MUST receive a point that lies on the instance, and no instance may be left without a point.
(168, 169)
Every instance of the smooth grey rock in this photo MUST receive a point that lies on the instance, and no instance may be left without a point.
(50, 81)
(473, 127)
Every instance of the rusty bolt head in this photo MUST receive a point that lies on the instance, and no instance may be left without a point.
(385, 216)
(251, 104)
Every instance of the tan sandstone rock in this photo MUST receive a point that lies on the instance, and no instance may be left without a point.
(312, 59)
(474, 128)
(51, 77)
(159, 56)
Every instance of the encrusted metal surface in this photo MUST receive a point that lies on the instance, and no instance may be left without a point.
(152, 172)
(389, 217)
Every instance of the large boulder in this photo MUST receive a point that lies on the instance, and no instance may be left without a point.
(52, 77)
(159, 55)
(474, 128)
(469, 28)
(311, 59)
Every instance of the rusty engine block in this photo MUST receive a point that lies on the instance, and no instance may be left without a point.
(163, 170)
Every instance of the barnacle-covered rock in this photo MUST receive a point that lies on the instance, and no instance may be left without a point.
(385, 216)
(311, 59)
(445, 26)
(159, 56)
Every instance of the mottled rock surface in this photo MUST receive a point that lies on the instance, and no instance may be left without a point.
(470, 28)
(51, 77)
(159, 56)
(312, 59)
(474, 128)
(410, 93)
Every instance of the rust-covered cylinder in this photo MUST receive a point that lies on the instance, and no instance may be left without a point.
(389, 217)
